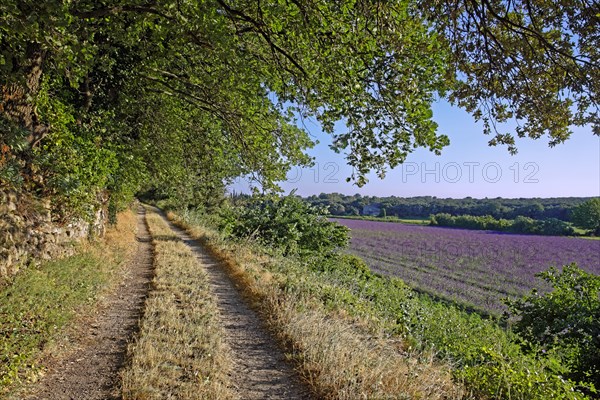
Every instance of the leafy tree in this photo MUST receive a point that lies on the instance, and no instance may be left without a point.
(549, 226)
(212, 90)
(564, 319)
(535, 210)
(587, 215)
(553, 226)
(425, 206)
(353, 211)
(337, 209)
(524, 225)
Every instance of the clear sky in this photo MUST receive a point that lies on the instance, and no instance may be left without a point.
(467, 167)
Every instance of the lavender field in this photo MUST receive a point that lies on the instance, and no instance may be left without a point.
(473, 268)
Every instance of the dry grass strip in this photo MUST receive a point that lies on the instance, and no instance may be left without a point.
(179, 352)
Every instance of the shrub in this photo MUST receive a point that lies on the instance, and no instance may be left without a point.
(442, 219)
(565, 320)
(554, 226)
(286, 223)
(549, 226)
(524, 225)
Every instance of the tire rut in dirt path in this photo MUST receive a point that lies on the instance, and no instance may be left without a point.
(92, 370)
(260, 369)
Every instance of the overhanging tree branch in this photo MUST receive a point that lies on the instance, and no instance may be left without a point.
(259, 29)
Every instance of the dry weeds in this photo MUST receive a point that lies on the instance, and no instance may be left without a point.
(179, 351)
(122, 236)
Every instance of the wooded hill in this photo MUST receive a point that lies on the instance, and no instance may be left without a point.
(424, 206)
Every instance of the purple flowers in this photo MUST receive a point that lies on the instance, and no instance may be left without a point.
(473, 268)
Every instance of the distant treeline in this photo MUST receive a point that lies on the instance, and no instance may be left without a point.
(424, 206)
(547, 226)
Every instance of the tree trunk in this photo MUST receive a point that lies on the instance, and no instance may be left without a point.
(16, 102)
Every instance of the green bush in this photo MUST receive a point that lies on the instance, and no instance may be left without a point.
(286, 223)
(565, 320)
(524, 225)
(549, 226)
(487, 358)
(556, 227)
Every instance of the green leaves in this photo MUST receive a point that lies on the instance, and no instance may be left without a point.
(587, 215)
(531, 61)
(285, 223)
(194, 84)
(564, 320)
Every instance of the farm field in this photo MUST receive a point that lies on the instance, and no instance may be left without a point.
(472, 268)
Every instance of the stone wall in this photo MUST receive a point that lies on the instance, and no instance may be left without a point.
(28, 234)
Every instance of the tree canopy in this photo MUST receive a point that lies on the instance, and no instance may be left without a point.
(425, 206)
(587, 215)
(183, 96)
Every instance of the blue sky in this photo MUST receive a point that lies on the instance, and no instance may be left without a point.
(468, 167)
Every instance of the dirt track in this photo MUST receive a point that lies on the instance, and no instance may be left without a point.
(91, 371)
(260, 368)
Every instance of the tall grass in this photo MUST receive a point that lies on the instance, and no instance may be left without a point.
(179, 352)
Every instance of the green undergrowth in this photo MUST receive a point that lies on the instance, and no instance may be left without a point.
(38, 304)
(486, 357)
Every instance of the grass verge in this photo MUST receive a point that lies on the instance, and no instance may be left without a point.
(342, 356)
(179, 352)
(39, 304)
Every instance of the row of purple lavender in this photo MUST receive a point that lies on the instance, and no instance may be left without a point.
(474, 268)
